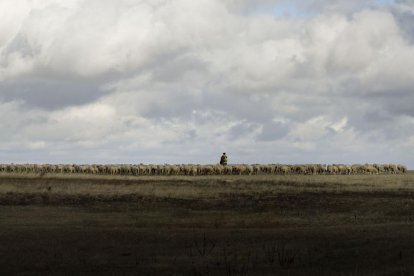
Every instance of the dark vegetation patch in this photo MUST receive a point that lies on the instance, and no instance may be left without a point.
(356, 250)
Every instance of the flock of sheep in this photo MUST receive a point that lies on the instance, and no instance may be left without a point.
(188, 169)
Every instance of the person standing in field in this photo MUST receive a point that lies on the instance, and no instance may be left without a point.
(223, 159)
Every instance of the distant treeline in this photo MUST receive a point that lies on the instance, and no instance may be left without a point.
(190, 169)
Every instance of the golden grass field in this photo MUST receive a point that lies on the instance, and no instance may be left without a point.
(207, 225)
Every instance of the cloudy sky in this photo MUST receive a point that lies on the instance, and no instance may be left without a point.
(181, 81)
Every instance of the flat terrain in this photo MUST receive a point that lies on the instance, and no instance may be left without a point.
(210, 225)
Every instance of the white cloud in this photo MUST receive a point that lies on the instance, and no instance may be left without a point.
(180, 81)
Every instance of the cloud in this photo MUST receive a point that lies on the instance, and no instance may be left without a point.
(183, 81)
(50, 93)
(274, 130)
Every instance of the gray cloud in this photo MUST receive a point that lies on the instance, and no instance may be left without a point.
(273, 131)
(241, 129)
(405, 19)
(50, 93)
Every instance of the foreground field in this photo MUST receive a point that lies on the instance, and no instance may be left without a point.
(211, 225)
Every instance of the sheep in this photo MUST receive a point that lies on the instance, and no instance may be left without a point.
(218, 169)
(248, 169)
(228, 169)
(300, 169)
(332, 169)
(393, 168)
(402, 168)
(370, 169)
(114, 170)
(256, 169)
(215, 169)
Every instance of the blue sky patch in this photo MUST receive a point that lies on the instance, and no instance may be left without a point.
(293, 8)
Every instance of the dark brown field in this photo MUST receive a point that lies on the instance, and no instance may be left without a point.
(224, 225)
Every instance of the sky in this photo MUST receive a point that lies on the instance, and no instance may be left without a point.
(181, 81)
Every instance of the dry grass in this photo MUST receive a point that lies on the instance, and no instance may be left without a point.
(203, 186)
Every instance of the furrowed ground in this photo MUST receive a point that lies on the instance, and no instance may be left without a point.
(207, 225)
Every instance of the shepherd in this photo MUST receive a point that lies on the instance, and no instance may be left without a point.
(223, 159)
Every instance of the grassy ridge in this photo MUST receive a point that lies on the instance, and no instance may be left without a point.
(255, 201)
(180, 186)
